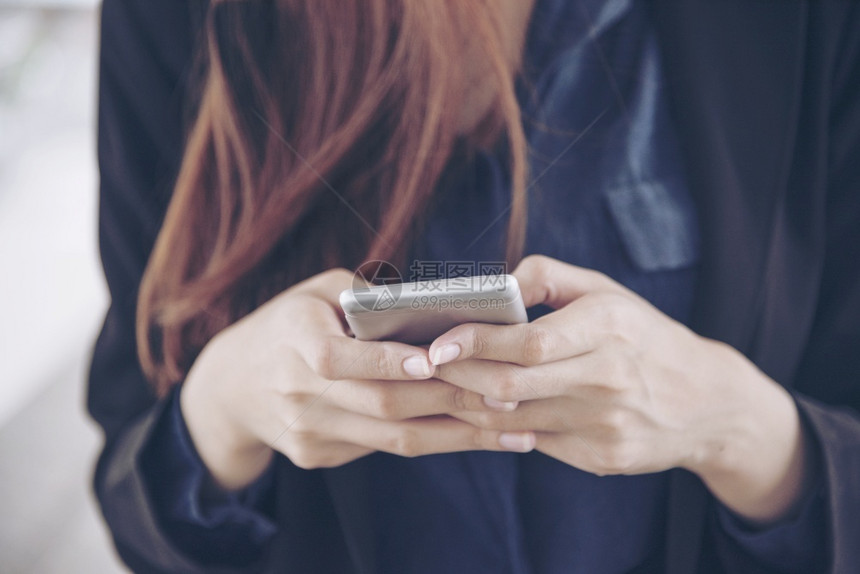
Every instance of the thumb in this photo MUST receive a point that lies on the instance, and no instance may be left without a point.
(548, 281)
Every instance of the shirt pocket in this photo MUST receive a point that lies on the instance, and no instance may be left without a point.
(657, 223)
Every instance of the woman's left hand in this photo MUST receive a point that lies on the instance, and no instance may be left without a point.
(609, 384)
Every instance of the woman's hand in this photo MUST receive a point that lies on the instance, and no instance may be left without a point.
(287, 377)
(609, 384)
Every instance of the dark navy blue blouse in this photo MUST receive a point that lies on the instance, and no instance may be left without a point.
(607, 192)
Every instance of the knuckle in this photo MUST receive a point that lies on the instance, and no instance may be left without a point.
(487, 421)
(614, 423)
(458, 399)
(383, 405)
(613, 317)
(536, 265)
(303, 456)
(384, 363)
(618, 460)
(294, 403)
(600, 279)
(508, 387)
(323, 358)
(477, 339)
(406, 442)
(537, 345)
(621, 313)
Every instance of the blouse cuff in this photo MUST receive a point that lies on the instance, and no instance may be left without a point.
(211, 525)
(797, 544)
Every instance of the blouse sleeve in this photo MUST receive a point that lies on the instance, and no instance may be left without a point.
(830, 371)
(827, 388)
(145, 62)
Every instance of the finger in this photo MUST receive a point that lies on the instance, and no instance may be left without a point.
(575, 330)
(542, 415)
(501, 382)
(523, 344)
(327, 285)
(400, 400)
(547, 281)
(581, 376)
(338, 357)
(417, 437)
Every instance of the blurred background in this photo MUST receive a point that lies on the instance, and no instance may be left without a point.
(52, 296)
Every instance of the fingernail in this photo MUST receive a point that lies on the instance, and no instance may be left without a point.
(500, 405)
(417, 366)
(517, 441)
(446, 353)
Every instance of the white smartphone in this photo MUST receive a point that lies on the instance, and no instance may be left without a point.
(418, 312)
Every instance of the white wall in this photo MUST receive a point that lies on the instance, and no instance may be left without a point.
(52, 296)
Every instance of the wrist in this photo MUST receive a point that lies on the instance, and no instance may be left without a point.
(231, 453)
(755, 458)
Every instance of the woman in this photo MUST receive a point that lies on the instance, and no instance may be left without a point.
(693, 162)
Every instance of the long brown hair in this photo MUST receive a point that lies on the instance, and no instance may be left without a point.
(322, 130)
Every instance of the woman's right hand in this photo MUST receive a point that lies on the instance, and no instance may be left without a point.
(287, 377)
